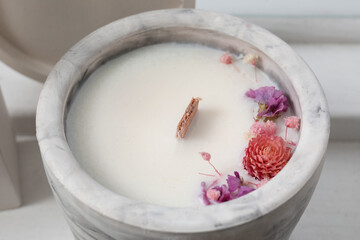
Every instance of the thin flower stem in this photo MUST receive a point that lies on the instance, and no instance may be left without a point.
(205, 174)
(255, 73)
(215, 169)
(291, 143)
(212, 184)
(236, 67)
(253, 183)
(286, 133)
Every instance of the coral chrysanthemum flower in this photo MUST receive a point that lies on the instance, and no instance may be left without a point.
(265, 156)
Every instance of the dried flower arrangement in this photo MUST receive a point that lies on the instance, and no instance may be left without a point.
(266, 153)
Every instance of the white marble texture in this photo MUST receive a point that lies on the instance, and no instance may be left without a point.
(268, 213)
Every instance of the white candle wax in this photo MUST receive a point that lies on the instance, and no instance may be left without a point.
(122, 123)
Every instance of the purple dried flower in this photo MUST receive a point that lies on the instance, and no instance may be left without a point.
(234, 182)
(271, 101)
(213, 194)
(208, 194)
(225, 195)
(243, 190)
(219, 194)
(203, 196)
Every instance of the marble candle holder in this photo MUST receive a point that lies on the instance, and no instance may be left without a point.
(271, 212)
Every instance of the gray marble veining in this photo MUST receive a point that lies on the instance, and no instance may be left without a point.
(94, 212)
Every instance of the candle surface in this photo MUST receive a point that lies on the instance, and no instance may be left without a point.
(122, 122)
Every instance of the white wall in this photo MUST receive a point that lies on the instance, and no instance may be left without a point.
(328, 8)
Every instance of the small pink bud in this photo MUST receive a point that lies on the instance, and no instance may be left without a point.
(292, 122)
(259, 128)
(226, 58)
(206, 156)
(213, 194)
(250, 58)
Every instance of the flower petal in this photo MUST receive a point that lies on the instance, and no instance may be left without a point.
(234, 182)
(243, 190)
(225, 194)
(274, 100)
(265, 156)
(203, 195)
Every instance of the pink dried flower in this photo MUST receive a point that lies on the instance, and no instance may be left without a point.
(292, 122)
(206, 156)
(213, 194)
(250, 58)
(268, 128)
(235, 188)
(225, 195)
(265, 156)
(226, 58)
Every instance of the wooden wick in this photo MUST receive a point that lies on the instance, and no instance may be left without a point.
(187, 118)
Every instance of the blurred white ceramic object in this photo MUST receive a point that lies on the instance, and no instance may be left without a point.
(9, 181)
(35, 34)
